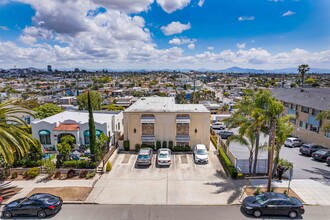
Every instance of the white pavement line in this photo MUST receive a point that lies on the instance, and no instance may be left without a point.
(154, 163)
(174, 162)
(195, 165)
(133, 164)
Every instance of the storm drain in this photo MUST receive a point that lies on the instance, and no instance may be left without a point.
(184, 159)
(126, 158)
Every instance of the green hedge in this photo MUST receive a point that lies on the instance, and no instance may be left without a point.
(181, 148)
(214, 142)
(228, 164)
(126, 145)
(79, 164)
(31, 173)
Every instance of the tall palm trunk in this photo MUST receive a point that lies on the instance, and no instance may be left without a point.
(276, 159)
(250, 162)
(269, 142)
(256, 152)
(270, 162)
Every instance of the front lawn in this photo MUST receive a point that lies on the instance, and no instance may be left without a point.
(66, 193)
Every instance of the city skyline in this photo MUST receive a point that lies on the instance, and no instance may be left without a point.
(148, 34)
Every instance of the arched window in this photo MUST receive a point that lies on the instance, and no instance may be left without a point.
(86, 135)
(44, 137)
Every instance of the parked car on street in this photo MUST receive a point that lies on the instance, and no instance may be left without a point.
(321, 155)
(218, 126)
(225, 134)
(328, 161)
(40, 204)
(144, 156)
(272, 203)
(164, 157)
(309, 149)
(200, 154)
(292, 142)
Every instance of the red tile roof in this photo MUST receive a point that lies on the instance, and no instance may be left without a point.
(67, 127)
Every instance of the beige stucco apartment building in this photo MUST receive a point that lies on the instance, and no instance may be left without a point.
(152, 119)
(305, 104)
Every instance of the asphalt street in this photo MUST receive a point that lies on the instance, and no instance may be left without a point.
(151, 212)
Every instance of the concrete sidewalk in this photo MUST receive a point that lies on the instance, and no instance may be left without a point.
(311, 191)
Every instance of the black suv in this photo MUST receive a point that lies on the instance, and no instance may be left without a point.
(309, 149)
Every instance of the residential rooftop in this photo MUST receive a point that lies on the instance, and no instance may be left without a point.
(80, 117)
(317, 98)
(164, 104)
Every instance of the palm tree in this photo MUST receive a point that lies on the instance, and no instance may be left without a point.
(248, 140)
(283, 131)
(324, 115)
(14, 138)
(302, 69)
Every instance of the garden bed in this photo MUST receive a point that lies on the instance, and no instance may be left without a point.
(66, 193)
(251, 190)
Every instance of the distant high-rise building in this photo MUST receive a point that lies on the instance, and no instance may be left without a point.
(49, 68)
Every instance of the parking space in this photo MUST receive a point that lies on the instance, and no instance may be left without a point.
(184, 182)
(305, 167)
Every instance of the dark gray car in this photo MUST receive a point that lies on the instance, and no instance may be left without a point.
(309, 149)
(144, 157)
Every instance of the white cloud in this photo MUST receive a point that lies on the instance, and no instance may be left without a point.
(191, 46)
(4, 28)
(246, 18)
(241, 46)
(170, 6)
(129, 6)
(288, 13)
(175, 28)
(181, 41)
(201, 3)
(210, 48)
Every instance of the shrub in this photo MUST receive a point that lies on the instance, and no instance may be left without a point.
(31, 173)
(257, 192)
(285, 192)
(83, 174)
(57, 174)
(126, 145)
(90, 175)
(164, 144)
(181, 148)
(137, 147)
(170, 145)
(14, 175)
(109, 167)
(49, 167)
(79, 164)
(71, 173)
(158, 145)
(228, 164)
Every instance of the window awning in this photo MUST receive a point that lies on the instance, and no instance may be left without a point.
(98, 133)
(147, 138)
(185, 119)
(44, 132)
(182, 138)
(148, 120)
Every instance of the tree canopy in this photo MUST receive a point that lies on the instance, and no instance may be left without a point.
(96, 100)
(47, 110)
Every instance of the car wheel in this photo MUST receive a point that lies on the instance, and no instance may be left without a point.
(41, 214)
(7, 214)
(292, 214)
(257, 213)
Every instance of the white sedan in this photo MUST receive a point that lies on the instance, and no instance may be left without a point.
(200, 154)
(164, 157)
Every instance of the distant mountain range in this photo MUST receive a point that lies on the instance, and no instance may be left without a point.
(234, 69)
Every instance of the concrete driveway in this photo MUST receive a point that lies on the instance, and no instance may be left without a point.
(183, 183)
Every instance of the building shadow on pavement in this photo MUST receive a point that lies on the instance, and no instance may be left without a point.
(228, 185)
(324, 174)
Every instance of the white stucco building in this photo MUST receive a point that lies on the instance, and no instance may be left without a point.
(50, 130)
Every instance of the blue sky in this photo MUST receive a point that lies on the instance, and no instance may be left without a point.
(193, 34)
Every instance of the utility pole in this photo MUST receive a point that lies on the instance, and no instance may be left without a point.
(194, 88)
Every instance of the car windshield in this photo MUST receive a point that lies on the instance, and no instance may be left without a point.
(262, 199)
(163, 155)
(201, 152)
(143, 156)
